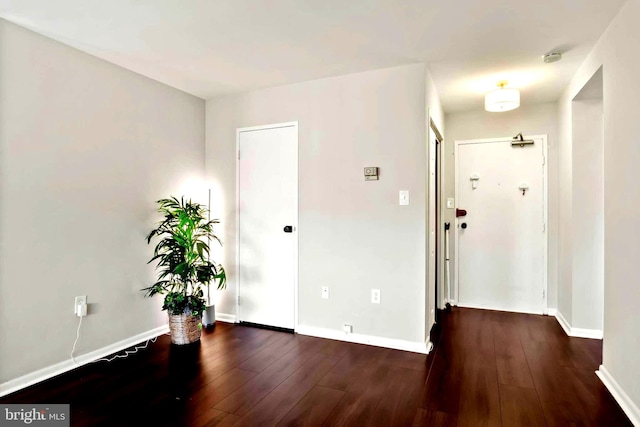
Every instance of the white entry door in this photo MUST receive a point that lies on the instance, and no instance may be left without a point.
(267, 224)
(501, 240)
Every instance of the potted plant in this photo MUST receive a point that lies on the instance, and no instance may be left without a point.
(185, 268)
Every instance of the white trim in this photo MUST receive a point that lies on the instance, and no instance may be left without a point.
(332, 334)
(296, 227)
(595, 334)
(428, 216)
(83, 359)
(237, 266)
(545, 209)
(454, 226)
(563, 322)
(486, 307)
(545, 220)
(577, 332)
(628, 406)
(442, 215)
(551, 312)
(224, 317)
(433, 148)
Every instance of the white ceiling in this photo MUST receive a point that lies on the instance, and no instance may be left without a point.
(215, 47)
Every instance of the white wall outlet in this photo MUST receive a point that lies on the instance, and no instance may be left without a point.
(347, 328)
(450, 203)
(82, 310)
(375, 296)
(80, 301)
(404, 198)
(325, 292)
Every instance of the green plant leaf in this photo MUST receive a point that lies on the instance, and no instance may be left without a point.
(182, 255)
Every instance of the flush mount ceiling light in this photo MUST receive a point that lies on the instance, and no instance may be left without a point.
(502, 99)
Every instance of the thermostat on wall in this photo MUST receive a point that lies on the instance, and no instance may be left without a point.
(371, 173)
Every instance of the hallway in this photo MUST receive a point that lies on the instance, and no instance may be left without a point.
(496, 368)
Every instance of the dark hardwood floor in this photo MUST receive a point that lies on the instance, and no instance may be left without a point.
(488, 369)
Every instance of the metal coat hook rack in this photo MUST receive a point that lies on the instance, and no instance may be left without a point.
(520, 141)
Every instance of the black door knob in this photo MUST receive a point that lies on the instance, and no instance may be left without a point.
(463, 225)
(288, 228)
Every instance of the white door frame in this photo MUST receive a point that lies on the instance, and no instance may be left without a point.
(440, 279)
(295, 227)
(545, 212)
(437, 216)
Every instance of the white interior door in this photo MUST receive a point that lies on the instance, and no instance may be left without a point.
(501, 240)
(267, 203)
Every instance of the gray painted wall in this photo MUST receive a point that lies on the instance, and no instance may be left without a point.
(479, 124)
(588, 215)
(86, 147)
(621, 66)
(353, 236)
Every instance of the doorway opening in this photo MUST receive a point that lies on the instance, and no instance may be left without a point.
(434, 226)
(585, 313)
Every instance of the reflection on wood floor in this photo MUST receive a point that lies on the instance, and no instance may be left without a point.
(487, 369)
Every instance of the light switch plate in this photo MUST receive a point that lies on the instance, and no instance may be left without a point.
(325, 292)
(404, 197)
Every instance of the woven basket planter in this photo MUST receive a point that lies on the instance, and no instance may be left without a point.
(184, 328)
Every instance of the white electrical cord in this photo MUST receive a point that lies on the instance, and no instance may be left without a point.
(127, 353)
(117, 356)
(76, 341)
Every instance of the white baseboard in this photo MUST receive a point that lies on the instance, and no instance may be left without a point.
(563, 322)
(550, 311)
(586, 333)
(228, 318)
(628, 406)
(486, 307)
(332, 334)
(68, 365)
(577, 332)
